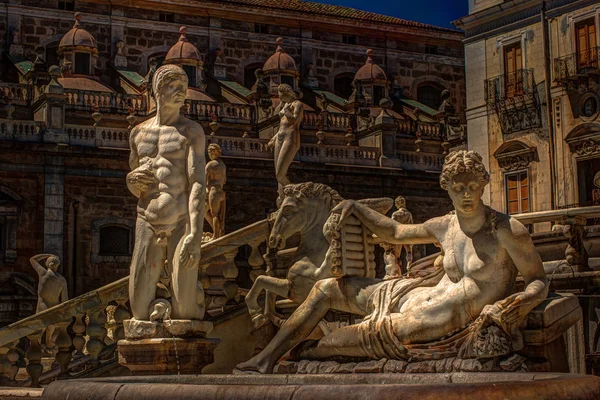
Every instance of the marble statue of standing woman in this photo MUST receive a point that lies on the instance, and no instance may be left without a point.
(286, 141)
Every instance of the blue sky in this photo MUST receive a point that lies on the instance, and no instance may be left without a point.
(436, 12)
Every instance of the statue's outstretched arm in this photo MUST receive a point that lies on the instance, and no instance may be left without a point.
(386, 228)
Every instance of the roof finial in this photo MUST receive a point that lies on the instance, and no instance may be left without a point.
(183, 32)
(77, 20)
(279, 42)
(369, 55)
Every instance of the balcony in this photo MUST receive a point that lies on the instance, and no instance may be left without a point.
(576, 68)
(513, 97)
(107, 103)
(204, 111)
(514, 86)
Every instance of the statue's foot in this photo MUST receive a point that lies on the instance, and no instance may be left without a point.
(252, 366)
(259, 320)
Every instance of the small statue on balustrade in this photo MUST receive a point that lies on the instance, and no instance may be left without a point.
(52, 288)
(393, 253)
(216, 176)
(286, 142)
(167, 161)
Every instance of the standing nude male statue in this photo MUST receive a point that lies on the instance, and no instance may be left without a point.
(483, 252)
(52, 287)
(167, 162)
(216, 175)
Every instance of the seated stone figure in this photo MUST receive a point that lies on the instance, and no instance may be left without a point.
(468, 301)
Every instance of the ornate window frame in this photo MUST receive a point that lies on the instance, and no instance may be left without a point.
(514, 156)
(577, 17)
(584, 140)
(502, 42)
(97, 225)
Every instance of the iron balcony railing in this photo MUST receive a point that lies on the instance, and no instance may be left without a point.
(509, 85)
(577, 65)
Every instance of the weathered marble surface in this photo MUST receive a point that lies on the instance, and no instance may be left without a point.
(451, 386)
(286, 141)
(216, 177)
(135, 330)
(464, 309)
(168, 177)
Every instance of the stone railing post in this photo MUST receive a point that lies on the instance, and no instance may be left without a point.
(64, 355)
(34, 359)
(97, 332)
(256, 261)
(576, 254)
(230, 272)
(79, 329)
(8, 364)
(121, 314)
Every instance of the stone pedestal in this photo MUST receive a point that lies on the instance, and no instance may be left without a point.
(169, 347)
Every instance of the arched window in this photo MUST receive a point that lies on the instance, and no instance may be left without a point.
(429, 95)
(342, 85)
(249, 77)
(115, 241)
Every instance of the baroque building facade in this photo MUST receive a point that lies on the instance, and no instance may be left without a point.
(383, 100)
(533, 106)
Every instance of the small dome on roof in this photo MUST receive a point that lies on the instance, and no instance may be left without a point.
(370, 71)
(280, 61)
(183, 49)
(77, 36)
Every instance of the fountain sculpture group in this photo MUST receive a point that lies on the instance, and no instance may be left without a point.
(460, 313)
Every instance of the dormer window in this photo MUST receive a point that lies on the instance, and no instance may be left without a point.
(378, 94)
(288, 80)
(190, 71)
(82, 64)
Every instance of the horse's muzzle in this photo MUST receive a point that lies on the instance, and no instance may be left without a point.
(276, 242)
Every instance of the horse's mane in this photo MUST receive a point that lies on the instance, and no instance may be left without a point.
(311, 189)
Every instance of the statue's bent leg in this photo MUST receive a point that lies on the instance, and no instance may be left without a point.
(345, 294)
(282, 164)
(184, 281)
(147, 263)
(281, 287)
(341, 342)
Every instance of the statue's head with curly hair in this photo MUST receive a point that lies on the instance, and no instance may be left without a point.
(464, 177)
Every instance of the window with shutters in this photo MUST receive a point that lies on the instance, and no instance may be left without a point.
(513, 70)
(517, 193)
(587, 50)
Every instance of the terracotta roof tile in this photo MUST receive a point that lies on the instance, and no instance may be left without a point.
(334, 11)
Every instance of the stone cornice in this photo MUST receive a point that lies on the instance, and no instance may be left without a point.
(516, 160)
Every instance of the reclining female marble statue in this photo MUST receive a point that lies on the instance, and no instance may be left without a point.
(465, 309)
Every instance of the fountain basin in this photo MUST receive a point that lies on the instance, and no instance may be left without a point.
(460, 385)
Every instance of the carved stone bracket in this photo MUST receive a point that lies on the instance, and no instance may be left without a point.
(584, 140)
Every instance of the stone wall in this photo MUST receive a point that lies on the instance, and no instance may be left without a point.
(145, 36)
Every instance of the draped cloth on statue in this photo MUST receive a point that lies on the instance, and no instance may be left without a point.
(377, 337)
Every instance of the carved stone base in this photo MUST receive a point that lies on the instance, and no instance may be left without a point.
(452, 386)
(166, 356)
(446, 365)
(135, 329)
(168, 347)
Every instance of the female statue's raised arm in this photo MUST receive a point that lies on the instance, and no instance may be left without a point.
(386, 228)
